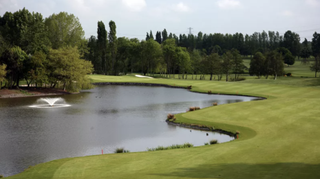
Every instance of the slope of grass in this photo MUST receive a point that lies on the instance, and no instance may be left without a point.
(279, 138)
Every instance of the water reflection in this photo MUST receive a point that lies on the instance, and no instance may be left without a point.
(105, 118)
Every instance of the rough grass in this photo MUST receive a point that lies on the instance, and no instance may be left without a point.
(279, 137)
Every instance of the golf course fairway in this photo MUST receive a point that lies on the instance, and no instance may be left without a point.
(279, 138)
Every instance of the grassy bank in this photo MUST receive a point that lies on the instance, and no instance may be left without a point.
(279, 137)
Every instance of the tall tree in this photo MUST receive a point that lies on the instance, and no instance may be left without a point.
(305, 51)
(257, 65)
(150, 56)
(275, 63)
(151, 35)
(158, 37)
(237, 64)
(213, 64)
(316, 53)
(102, 48)
(227, 64)
(64, 30)
(291, 41)
(113, 43)
(164, 35)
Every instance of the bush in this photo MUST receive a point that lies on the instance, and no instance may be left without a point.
(206, 143)
(121, 150)
(194, 108)
(170, 116)
(209, 92)
(189, 87)
(214, 141)
(289, 74)
(1, 176)
(215, 104)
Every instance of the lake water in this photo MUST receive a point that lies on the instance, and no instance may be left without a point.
(104, 118)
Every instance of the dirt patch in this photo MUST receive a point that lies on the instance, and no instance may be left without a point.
(29, 92)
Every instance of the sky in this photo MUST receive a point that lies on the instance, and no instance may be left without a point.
(134, 18)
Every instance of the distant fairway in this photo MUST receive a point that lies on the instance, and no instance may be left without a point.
(279, 137)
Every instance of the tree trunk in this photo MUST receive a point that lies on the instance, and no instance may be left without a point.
(227, 76)
(211, 76)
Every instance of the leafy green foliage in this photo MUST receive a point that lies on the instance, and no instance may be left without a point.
(65, 66)
(64, 30)
(257, 65)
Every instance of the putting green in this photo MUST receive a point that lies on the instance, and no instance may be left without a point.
(279, 138)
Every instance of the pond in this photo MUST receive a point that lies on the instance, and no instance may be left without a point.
(104, 118)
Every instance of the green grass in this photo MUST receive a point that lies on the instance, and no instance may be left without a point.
(279, 137)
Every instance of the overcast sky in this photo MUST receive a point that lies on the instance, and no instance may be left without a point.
(136, 17)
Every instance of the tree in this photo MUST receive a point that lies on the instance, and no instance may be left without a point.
(291, 41)
(183, 59)
(35, 69)
(305, 51)
(316, 53)
(26, 30)
(257, 65)
(227, 64)
(151, 35)
(150, 56)
(275, 64)
(237, 64)
(213, 64)
(168, 48)
(65, 66)
(113, 44)
(64, 30)
(288, 59)
(158, 37)
(164, 35)
(102, 49)
(315, 44)
(316, 66)
(14, 58)
(3, 73)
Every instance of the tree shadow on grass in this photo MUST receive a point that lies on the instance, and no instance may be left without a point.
(246, 171)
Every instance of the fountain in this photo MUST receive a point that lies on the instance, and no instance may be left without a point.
(50, 103)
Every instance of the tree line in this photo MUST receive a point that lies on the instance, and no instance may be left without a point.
(43, 52)
(53, 52)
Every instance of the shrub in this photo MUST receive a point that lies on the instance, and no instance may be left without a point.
(214, 141)
(170, 116)
(1, 176)
(209, 92)
(237, 132)
(192, 109)
(206, 143)
(238, 79)
(289, 74)
(215, 104)
(121, 150)
(197, 108)
(189, 87)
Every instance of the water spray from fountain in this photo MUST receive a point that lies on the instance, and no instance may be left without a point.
(50, 103)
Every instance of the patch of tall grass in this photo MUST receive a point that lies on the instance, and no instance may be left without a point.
(176, 146)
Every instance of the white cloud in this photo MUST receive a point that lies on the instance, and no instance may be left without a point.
(314, 3)
(134, 5)
(287, 13)
(181, 7)
(228, 4)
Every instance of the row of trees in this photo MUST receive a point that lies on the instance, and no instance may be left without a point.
(53, 51)
(43, 52)
(245, 44)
